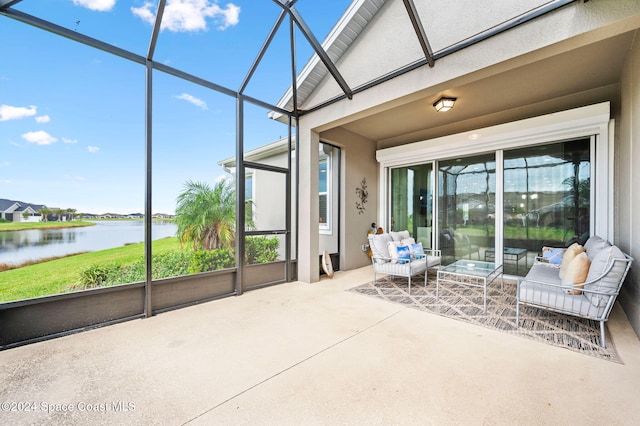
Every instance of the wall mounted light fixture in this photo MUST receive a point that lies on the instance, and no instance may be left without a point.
(444, 104)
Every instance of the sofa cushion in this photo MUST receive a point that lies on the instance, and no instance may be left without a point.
(594, 244)
(611, 281)
(573, 250)
(576, 273)
(556, 298)
(540, 272)
(379, 249)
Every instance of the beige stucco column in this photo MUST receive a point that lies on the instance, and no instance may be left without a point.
(308, 238)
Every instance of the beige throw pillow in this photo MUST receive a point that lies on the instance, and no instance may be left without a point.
(573, 250)
(576, 273)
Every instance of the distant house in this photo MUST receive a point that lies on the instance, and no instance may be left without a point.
(15, 211)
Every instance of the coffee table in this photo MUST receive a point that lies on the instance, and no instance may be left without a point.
(471, 273)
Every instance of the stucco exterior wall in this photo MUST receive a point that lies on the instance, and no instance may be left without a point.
(358, 163)
(627, 182)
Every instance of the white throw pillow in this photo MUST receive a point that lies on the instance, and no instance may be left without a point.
(407, 241)
(392, 248)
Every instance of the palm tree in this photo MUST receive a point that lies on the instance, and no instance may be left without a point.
(206, 216)
(70, 213)
(45, 212)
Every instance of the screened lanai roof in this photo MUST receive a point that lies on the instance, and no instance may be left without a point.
(243, 46)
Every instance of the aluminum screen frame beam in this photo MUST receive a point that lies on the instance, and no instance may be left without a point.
(263, 50)
(420, 33)
(317, 47)
(8, 3)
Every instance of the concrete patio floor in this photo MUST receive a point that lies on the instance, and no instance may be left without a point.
(314, 354)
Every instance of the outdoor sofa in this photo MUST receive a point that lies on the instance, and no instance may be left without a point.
(583, 281)
(397, 254)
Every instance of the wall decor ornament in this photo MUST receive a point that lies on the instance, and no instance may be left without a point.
(363, 194)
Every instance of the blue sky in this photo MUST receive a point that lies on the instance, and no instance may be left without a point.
(72, 117)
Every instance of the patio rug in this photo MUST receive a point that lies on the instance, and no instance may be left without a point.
(465, 303)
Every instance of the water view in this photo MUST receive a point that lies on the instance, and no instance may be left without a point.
(22, 246)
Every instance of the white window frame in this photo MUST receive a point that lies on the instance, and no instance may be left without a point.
(325, 228)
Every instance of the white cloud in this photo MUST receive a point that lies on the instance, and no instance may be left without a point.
(190, 15)
(97, 5)
(78, 178)
(93, 148)
(71, 141)
(39, 138)
(192, 99)
(5, 164)
(8, 112)
(43, 119)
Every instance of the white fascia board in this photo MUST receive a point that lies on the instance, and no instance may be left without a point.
(568, 124)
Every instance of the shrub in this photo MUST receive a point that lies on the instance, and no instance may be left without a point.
(174, 263)
(261, 250)
(171, 263)
(97, 275)
(211, 260)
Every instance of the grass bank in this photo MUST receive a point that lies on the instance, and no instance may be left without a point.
(62, 275)
(25, 226)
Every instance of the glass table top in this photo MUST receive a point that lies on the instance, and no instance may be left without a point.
(471, 267)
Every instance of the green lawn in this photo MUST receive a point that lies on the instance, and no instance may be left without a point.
(62, 275)
(23, 226)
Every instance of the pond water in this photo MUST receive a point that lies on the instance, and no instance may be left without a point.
(21, 246)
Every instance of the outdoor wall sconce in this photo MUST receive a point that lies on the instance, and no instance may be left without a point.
(444, 104)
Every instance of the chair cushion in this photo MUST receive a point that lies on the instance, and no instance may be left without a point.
(576, 273)
(399, 236)
(407, 241)
(379, 249)
(414, 267)
(573, 250)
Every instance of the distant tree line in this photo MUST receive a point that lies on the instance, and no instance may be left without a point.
(56, 214)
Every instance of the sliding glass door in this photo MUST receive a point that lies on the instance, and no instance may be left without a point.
(547, 191)
(545, 201)
(466, 207)
(412, 201)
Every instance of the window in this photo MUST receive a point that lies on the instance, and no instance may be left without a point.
(248, 196)
(324, 184)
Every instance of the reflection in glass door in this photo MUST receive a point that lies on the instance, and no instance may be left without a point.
(546, 199)
(466, 208)
(412, 201)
